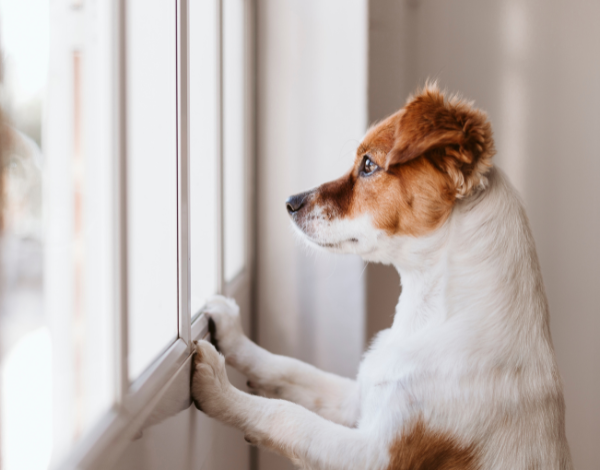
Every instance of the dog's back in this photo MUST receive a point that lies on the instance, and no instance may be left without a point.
(468, 377)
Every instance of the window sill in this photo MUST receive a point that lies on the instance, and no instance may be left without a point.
(163, 390)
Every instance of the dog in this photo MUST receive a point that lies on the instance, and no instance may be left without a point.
(466, 378)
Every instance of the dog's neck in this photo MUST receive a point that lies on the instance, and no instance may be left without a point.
(422, 265)
(480, 264)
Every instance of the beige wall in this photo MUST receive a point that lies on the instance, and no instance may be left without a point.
(533, 65)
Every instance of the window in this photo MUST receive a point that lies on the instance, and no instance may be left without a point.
(233, 142)
(151, 174)
(143, 168)
(205, 141)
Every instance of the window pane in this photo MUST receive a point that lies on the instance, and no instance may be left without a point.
(204, 102)
(151, 180)
(234, 137)
(57, 293)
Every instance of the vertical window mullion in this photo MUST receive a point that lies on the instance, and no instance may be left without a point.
(220, 153)
(121, 275)
(183, 170)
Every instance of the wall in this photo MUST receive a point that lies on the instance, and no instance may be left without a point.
(311, 116)
(533, 66)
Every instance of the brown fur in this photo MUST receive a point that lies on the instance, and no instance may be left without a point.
(422, 449)
(451, 132)
(430, 153)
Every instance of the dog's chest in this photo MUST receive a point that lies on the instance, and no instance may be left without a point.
(387, 377)
(388, 359)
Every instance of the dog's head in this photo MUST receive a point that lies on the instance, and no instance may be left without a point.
(408, 173)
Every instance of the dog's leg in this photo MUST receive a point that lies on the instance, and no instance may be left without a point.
(309, 440)
(333, 397)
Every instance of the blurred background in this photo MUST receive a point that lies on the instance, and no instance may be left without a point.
(296, 92)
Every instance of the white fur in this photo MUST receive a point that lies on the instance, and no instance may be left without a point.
(469, 351)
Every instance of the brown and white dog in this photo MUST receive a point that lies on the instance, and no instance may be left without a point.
(466, 378)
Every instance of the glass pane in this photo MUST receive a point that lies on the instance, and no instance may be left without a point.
(151, 180)
(204, 102)
(234, 137)
(57, 302)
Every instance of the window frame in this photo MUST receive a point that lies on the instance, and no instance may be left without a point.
(134, 401)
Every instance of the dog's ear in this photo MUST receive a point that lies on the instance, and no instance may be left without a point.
(456, 137)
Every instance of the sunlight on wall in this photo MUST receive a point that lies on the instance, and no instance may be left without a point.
(27, 403)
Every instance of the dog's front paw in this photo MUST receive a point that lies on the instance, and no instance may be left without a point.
(224, 323)
(211, 390)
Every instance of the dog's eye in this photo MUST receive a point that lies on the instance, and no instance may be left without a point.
(368, 166)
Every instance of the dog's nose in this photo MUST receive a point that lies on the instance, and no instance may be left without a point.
(295, 203)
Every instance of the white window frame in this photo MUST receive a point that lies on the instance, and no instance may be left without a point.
(102, 445)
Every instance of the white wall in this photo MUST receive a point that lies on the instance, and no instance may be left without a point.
(312, 113)
(533, 65)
